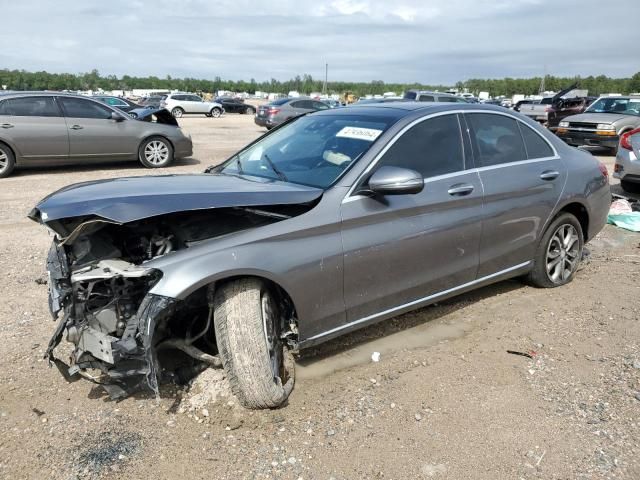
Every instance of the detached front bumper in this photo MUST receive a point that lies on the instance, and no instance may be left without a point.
(580, 138)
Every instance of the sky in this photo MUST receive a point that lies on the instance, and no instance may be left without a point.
(425, 41)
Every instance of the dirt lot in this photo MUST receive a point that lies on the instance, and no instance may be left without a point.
(445, 400)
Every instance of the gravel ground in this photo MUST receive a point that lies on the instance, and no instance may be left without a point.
(445, 400)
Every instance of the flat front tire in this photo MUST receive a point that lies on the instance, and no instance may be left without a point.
(156, 152)
(7, 161)
(247, 325)
(559, 253)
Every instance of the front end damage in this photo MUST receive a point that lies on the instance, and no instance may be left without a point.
(124, 337)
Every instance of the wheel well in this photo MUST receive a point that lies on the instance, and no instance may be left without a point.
(580, 212)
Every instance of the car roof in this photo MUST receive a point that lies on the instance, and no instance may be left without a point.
(402, 109)
(18, 94)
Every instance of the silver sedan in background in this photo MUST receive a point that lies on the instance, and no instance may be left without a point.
(46, 129)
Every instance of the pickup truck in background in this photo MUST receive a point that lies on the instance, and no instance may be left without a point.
(566, 107)
(539, 110)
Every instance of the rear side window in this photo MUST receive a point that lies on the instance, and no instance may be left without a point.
(536, 146)
(447, 99)
(411, 95)
(114, 102)
(427, 98)
(80, 108)
(30, 107)
(320, 105)
(432, 147)
(496, 139)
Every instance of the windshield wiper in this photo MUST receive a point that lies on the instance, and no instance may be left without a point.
(280, 175)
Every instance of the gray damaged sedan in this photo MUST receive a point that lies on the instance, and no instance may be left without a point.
(329, 223)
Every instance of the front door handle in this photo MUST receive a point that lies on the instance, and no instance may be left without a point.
(460, 189)
(549, 175)
(6, 125)
(76, 127)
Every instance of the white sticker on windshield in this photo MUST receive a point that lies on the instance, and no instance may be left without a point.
(368, 134)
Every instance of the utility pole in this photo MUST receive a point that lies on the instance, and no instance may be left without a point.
(326, 75)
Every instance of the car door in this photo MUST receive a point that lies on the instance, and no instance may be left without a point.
(523, 178)
(93, 134)
(403, 249)
(34, 125)
(196, 105)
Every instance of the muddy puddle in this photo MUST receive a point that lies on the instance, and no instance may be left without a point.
(419, 336)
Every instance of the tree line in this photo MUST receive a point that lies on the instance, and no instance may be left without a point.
(23, 80)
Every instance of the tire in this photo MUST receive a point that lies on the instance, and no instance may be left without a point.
(564, 226)
(156, 152)
(269, 127)
(249, 111)
(7, 161)
(260, 376)
(627, 186)
(177, 112)
(133, 115)
(215, 112)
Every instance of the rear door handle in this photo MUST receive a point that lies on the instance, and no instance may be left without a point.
(76, 127)
(7, 125)
(460, 189)
(549, 175)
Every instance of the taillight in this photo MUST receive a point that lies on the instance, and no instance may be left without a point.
(273, 111)
(625, 139)
(603, 170)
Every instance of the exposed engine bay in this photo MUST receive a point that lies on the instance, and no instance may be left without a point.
(123, 337)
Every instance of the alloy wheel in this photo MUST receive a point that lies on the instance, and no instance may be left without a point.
(274, 345)
(156, 152)
(562, 253)
(4, 160)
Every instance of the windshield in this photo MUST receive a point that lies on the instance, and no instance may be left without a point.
(313, 150)
(623, 106)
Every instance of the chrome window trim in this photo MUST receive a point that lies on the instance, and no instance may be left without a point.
(418, 301)
(350, 197)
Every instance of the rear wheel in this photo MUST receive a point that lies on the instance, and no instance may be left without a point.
(177, 112)
(249, 111)
(559, 253)
(630, 186)
(133, 115)
(248, 326)
(156, 152)
(7, 161)
(215, 112)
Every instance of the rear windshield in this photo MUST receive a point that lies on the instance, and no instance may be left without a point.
(410, 95)
(282, 101)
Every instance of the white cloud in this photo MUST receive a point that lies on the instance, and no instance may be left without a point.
(405, 40)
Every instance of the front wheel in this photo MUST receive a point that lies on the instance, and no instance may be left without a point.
(559, 253)
(215, 112)
(248, 326)
(177, 112)
(7, 161)
(156, 152)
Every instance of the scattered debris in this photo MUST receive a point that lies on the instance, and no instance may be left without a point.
(375, 357)
(37, 411)
(531, 353)
(101, 451)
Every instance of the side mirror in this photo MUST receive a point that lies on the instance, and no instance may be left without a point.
(396, 181)
(117, 117)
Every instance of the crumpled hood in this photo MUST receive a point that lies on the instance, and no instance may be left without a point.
(589, 117)
(123, 200)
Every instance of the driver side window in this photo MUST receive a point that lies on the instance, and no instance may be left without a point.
(432, 147)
